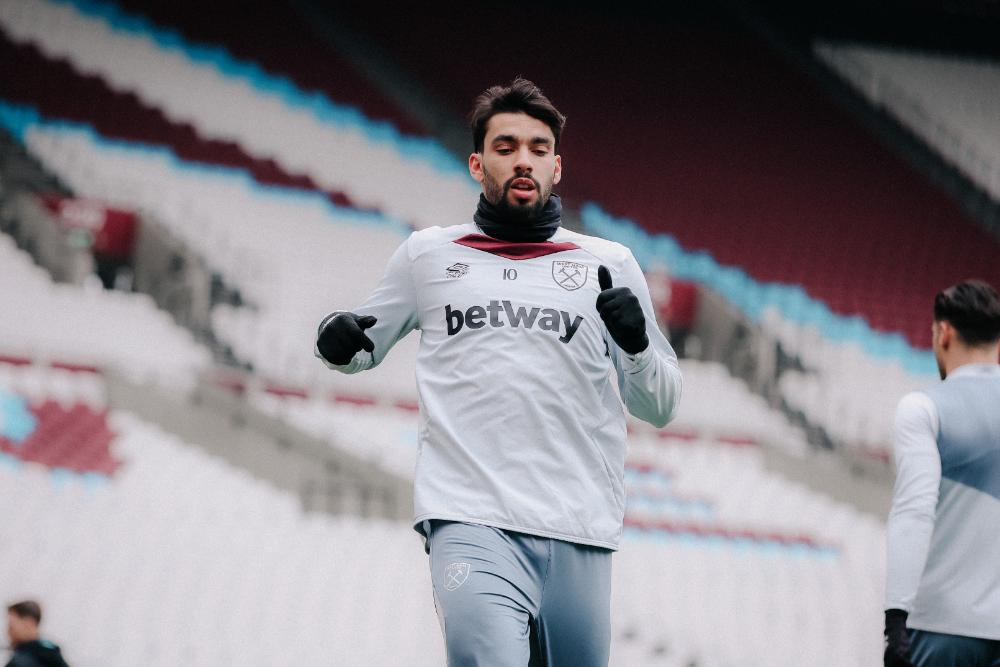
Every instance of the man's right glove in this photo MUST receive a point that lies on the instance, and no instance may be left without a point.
(342, 335)
(897, 641)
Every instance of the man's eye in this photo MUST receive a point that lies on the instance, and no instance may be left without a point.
(541, 153)
(504, 151)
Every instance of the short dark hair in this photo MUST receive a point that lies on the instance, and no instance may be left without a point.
(27, 609)
(521, 96)
(973, 308)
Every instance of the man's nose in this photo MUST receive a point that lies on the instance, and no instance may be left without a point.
(523, 163)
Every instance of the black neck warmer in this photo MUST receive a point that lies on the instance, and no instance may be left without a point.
(493, 222)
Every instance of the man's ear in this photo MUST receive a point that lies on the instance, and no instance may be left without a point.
(557, 176)
(946, 333)
(476, 166)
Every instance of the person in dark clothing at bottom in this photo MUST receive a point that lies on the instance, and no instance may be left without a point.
(30, 650)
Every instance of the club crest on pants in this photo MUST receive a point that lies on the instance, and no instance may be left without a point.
(455, 575)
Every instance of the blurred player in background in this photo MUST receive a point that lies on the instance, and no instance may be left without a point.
(944, 552)
(30, 650)
(519, 484)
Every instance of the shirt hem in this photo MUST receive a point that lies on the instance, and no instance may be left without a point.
(951, 630)
(512, 527)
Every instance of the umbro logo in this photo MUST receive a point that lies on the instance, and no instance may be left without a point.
(456, 270)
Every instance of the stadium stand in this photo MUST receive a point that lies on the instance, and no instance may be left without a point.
(764, 176)
(94, 327)
(716, 408)
(789, 313)
(267, 339)
(290, 268)
(305, 132)
(279, 41)
(950, 102)
(727, 608)
(75, 439)
(58, 91)
(847, 290)
(244, 556)
(703, 476)
(855, 408)
(167, 110)
(241, 553)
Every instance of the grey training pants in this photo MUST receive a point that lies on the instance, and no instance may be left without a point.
(510, 599)
(933, 649)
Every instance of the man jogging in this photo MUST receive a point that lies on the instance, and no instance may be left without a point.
(519, 480)
(943, 589)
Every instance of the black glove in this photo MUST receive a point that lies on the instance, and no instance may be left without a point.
(342, 335)
(622, 314)
(897, 641)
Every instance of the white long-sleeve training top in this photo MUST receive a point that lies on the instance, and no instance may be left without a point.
(943, 550)
(520, 424)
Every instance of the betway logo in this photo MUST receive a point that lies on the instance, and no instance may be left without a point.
(477, 317)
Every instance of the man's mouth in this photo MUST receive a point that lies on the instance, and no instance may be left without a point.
(522, 188)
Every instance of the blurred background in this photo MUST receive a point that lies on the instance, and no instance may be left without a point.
(187, 188)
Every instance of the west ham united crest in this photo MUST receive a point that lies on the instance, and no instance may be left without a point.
(455, 575)
(569, 275)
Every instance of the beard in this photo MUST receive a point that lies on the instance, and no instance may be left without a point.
(497, 194)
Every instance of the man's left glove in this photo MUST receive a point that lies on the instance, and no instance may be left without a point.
(622, 314)
(897, 641)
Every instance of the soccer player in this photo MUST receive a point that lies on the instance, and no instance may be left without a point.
(519, 480)
(943, 589)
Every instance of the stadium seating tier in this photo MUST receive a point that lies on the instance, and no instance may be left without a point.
(698, 131)
(240, 553)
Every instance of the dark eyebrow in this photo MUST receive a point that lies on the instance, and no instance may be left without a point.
(510, 138)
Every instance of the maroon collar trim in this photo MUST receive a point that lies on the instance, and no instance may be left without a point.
(513, 250)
